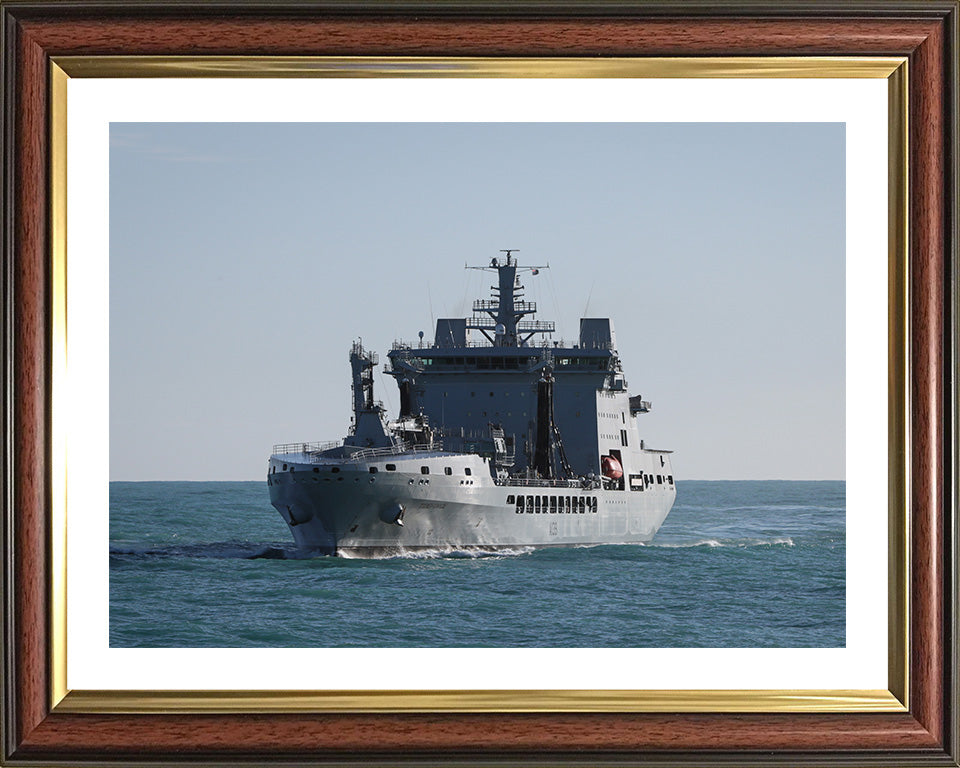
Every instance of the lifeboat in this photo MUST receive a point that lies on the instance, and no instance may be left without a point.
(611, 468)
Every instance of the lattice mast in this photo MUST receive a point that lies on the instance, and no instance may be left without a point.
(506, 308)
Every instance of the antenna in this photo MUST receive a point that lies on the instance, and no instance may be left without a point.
(509, 251)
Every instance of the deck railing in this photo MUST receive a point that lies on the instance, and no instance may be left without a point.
(306, 448)
(524, 482)
(310, 452)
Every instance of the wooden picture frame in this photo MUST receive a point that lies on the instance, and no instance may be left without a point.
(38, 730)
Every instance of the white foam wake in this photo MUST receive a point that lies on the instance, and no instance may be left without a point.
(431, 553)
(782, 541)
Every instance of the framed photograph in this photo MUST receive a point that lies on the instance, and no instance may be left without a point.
(207, 205)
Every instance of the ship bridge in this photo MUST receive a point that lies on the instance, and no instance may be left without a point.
(484, 369)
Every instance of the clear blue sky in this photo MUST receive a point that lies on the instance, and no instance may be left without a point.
(245, 258)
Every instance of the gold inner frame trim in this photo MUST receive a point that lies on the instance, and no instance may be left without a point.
(893, 69)
(898, 384)
(233, 702)
(58, 371)
(431, 66)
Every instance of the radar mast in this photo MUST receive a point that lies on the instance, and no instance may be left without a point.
(506, 308)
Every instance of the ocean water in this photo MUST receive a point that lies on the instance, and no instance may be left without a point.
(736, 564)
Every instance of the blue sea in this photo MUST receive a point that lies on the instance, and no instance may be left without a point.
(736, 564)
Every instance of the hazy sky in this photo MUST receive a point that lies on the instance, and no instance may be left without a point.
(245, 258)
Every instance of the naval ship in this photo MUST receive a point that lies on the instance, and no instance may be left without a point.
(504, 440)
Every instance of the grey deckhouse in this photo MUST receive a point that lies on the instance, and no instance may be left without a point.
(560, 409)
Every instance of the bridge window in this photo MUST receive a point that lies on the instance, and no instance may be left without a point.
(467, 471)
(670, 479)
(553, 504)
(424, 470)
(529, 504)
(447, 471)
(509, 499)
(373, 470)
(391, 467)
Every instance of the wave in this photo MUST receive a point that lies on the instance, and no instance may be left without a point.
(228, 550)
(771, 507)
(432, 553)
(784, 541)
(241, 550)
(252, 551)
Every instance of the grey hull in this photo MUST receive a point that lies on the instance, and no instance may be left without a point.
(341, 508)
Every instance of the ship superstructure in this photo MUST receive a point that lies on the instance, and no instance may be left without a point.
(504, 439)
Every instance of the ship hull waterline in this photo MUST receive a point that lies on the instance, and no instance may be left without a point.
(348, 508)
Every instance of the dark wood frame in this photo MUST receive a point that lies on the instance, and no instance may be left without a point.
(925, 32)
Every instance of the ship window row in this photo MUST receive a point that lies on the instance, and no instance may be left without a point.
(425, 470)
(660, 479)
(596, 363)
(639, 482)
(512, 363)
(491, 363)
(553, 504)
